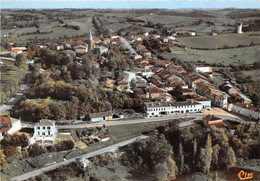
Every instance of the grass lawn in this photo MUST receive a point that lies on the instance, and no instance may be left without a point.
(61, 136)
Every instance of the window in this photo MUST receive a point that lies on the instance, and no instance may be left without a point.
(48, 127)
(43, 133)
(49, 133)
(43, 127)
(38, 127)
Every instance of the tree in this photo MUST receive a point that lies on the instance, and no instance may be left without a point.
(36, 150)
(181, 159)
(206, 156)
(20, 60)
(231, 158)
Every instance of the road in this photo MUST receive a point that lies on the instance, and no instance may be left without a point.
(87, 155)
(196, 116)
(127, 45)
(19, 95)
(7, 58)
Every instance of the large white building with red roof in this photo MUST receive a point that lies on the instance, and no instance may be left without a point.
(9, 125)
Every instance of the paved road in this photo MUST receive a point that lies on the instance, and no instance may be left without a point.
(87, 155)
(7, 58)
(196, 116)
(19, 95)
(127, 45)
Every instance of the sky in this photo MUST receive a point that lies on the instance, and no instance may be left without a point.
(129, 4)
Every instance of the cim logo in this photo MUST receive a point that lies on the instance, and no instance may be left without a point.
(245, 175)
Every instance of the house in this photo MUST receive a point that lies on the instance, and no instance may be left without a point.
(44, 132)
(84, 162)
(99, 50)
(245, 110)
(8, 125)
(206, 103)
(164, 108)
(204, 69)
(104, 138)
(210, 118)
(81, 49)
(14, 52)
(101, 116)
(214, 33)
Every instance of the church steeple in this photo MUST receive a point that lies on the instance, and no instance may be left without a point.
(91, 44)
(90, 35)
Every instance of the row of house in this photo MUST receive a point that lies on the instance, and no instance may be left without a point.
(164, 108)
(247, 110)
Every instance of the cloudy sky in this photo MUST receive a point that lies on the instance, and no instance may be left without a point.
(169, 4)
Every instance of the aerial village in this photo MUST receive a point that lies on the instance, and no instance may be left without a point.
(153, 79)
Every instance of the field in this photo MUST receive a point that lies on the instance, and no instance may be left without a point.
(219, 41)
(253, 74)
(235, 56)
(58, 32)
(8, 71)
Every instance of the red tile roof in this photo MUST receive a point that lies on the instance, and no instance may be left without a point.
(5, 129)
(210, 117)
(5, 119)
(245, 106)
(16, 50)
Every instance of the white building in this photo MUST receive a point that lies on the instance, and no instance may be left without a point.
(245, 110)
(15, 52)
(164, 108)
(101, 49)
(44, 132)
(8, 125)
(203, 69)
(239, 28)
(146, 73)
(206, 103)
(101, 116)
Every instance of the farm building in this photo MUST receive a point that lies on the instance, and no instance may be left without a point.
(102, 116)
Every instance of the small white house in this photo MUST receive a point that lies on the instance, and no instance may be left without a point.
(203, 69)
(192, 33)
(101, 116)
(44, 131)
(104, 138)
(101, 49)
(147, 73)
(84, 162)
(9, 125)
(15, 52)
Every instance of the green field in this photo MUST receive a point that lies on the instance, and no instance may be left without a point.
(8, 72)
(58, 32)
(219, 41)
(235, 56)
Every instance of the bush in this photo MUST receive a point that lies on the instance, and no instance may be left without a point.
(64, 145)
(36, 150)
